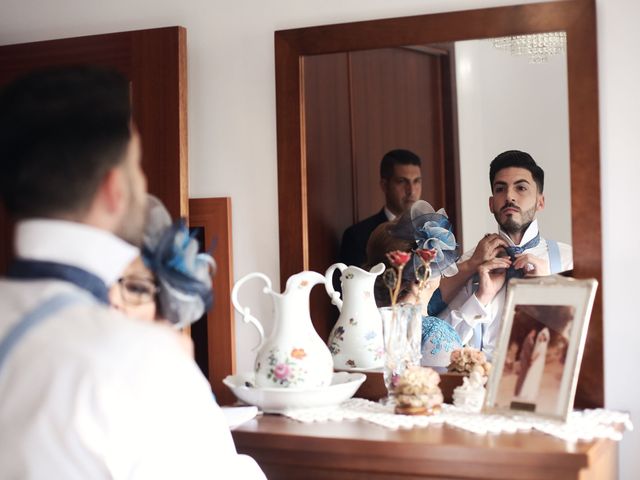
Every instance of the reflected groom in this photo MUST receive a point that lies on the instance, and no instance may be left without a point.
(476, 295)
(401, 183)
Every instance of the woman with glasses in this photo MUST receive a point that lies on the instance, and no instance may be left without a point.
(170, 281)
(135, 292)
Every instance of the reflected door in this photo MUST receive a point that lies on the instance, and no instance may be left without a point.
(358, 106)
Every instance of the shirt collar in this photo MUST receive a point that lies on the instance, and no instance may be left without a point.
(92, 249)
(529, 234)
(390, 215)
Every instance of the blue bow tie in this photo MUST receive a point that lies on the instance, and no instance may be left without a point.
(37, 269)
(512, 251)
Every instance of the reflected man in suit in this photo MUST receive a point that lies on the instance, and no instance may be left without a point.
(401, 183)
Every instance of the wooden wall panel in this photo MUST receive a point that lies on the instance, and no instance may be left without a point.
(396, 103)
(329, 168)
(214, 215)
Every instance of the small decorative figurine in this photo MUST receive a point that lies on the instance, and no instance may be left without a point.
(468, 360)
(470, 395)
(417, 392)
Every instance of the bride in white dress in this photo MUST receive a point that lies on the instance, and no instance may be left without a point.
(531, 384)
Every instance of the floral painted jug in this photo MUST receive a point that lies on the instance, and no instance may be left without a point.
(356, 339)
(293, 355)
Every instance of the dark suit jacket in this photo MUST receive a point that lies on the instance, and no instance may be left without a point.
(353, 249)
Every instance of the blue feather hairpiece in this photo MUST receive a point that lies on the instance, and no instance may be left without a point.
(431, 230)
(183, 274)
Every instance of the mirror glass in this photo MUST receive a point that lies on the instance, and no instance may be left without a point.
(508, 102)
(325, 181)
(457, 114)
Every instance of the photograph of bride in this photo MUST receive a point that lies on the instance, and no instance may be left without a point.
(535, 358)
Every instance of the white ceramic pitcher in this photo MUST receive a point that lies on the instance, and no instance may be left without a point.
(293, 355)
(356, 339)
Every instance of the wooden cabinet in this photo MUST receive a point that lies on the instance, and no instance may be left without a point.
(287, 449)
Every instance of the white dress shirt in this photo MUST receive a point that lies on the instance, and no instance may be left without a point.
(465, 312)
(390, 215)
(91, 394)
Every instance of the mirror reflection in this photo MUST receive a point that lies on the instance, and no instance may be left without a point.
(507, 102)
(457, 106)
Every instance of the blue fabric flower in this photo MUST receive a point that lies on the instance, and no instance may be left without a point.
(429, 230)
(436, 235)
(433, 231)
(183, 274)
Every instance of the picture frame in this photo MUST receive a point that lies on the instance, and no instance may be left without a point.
(541, 342)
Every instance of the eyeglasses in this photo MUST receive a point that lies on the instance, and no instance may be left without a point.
(137, 291)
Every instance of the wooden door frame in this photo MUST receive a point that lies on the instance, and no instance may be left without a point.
(214, 215)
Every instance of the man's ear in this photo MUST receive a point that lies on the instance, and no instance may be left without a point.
(111, 192)
(491, 204)
(540, 202)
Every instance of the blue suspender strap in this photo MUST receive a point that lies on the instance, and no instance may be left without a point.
(555, 262)
(33, 318)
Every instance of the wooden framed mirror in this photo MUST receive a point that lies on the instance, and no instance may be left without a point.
(297, 217)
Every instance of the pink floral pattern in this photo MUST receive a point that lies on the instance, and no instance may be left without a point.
(286, 370)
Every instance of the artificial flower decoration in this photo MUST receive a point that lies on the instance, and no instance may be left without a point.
(427, 255)
(431, 231)
(417, 392)
(393, 276)
(183, 274)
(423, 272)
(399, 259)
(435, 234)
(467, 360)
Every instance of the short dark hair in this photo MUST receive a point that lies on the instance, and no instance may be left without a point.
(61, 130)
(397, 157)
(516, 158)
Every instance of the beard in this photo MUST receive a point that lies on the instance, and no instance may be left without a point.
(511, 226)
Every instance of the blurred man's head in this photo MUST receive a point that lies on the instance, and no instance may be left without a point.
(400, 179)
(68, 150)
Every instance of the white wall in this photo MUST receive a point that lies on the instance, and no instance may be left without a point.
(507, 103)
(232, 130)
(619, 77)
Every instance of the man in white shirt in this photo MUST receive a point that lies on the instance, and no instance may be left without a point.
(517, 185)
(86, 392)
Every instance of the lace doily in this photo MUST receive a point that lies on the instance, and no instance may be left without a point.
(583, 425)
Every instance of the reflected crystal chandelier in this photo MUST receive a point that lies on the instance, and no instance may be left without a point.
(538, 47)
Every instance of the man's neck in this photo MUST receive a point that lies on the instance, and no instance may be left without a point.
(526, 233)
(516, 237)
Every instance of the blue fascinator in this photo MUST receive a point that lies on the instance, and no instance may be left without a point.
(183, 275)
(428, 229)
